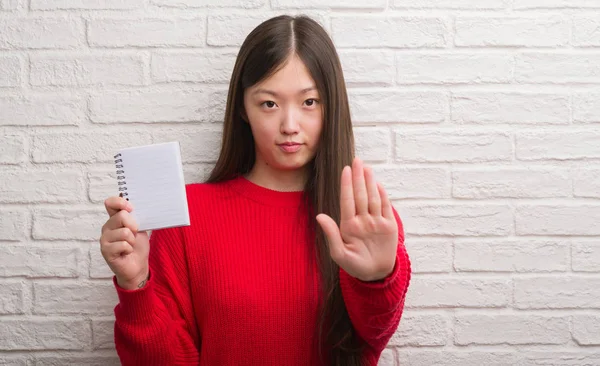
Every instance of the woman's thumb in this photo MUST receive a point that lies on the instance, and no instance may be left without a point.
(331, 230)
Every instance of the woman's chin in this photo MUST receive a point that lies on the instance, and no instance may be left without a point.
(290, 165)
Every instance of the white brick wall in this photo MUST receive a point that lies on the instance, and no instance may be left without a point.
(480, 117)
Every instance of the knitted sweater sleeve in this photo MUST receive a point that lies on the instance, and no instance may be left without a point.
(375, 308)
(155, 325)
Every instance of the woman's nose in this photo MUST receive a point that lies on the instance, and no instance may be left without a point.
(289, 124)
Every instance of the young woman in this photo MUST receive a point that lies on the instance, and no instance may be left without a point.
(294, 255)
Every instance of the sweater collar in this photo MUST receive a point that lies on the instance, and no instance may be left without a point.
(265, 195)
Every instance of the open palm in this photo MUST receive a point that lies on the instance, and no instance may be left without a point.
(365, 243)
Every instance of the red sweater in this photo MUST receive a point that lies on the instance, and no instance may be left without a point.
(238, 287)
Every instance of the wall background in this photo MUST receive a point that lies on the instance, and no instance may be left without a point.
(481, 118)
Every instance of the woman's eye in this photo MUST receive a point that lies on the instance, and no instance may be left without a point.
(311, 102)
(270, 104)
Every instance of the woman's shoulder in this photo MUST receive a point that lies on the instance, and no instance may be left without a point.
(206, 195)
(208, 202)
(206, 190)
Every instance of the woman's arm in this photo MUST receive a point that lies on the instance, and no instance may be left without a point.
(156, 325)
(375, 308)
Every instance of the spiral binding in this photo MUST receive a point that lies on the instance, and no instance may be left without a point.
(121, 177)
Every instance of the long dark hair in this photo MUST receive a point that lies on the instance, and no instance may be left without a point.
(263, 52)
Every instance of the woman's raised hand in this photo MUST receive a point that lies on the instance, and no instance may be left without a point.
(123, 247)
(365, 243)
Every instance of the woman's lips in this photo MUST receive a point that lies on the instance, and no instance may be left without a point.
(290, 147)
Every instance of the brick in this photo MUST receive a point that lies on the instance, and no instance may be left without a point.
(197, 145)
(68, 224)
(586, 108)
(558, 145)
(41, 33)
(572, 219)
(146, 32)
(446, 292)
(557, 292)
(201, 67)
(217, 100)
(150, 106)
(74, 298)
(86, 5)
(458, 219)
(388, 355)
(369, 105)
(585, 31)
(586, 182)
(103, 333)
(390, 31)
(585, 257)
(446, 357)
(245, 4)
(8, 5)
(552, 4)
(372, 144)
(42, 110)
(102, 184)
(577, 358)
(98, 70)
(89, 147)
(335, 4)
(368, 67)
(196, 173)
(557, 67)
(511, 256)
(511, 183)
(39, 260)
(421, 330)
(12, 148)
(531, 31)
(402, 182)
(19, 186)
(448, 146)
(510, 329)
(586, 330)
(232, 29)
(16, 360)
(98, 266)
(444, 68)
(77, 360)
(13, 223)
(429, 255)
(450, 4)
(12, 297)
(513, 107)
(44, 334)
(10, 71)
(470, 357)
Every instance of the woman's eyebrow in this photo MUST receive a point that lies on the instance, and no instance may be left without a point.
(271, 92)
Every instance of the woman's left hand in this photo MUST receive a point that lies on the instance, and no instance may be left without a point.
(366, 241)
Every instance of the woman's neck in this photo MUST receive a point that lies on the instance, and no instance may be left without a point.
(277, 180)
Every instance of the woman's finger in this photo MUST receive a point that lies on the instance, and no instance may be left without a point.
(360, 188)
(119, 220)
(386, 205)
(115, 249)
(347, 207)
(373, 192)
(121, 234)
(115, 204)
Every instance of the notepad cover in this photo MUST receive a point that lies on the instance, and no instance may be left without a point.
(155, 185)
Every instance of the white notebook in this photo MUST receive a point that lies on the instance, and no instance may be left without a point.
(151, 178)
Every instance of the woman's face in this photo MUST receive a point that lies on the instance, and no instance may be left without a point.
(286, 118)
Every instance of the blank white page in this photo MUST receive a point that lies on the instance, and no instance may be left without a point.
(153, 176)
